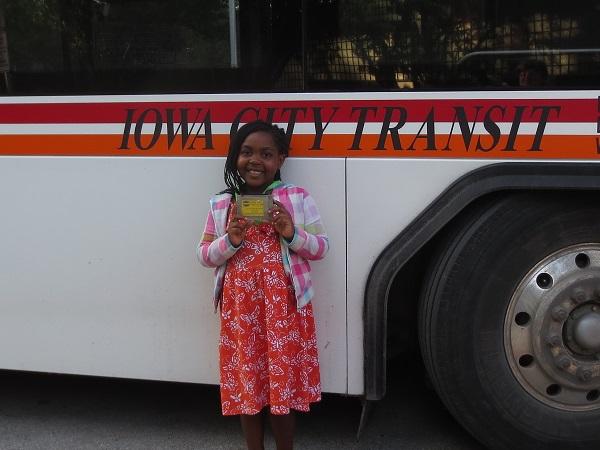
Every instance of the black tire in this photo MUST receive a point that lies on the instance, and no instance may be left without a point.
(464, 303)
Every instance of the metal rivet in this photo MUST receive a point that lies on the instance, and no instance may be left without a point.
(559, 314)
(578, 296)
(563, 362)
(584, 374)
(553, 339)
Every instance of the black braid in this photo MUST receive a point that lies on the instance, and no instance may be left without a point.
(235, 183)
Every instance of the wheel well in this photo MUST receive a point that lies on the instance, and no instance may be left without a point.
(405, 287)
(403, 260)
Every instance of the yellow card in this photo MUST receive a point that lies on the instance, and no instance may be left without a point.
(254, 207)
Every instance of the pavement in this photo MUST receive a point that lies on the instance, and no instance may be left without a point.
(47, 412)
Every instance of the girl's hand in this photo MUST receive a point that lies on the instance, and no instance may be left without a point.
(236, 230)
(282, 221)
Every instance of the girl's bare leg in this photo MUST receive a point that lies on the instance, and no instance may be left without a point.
(283, 430)
(254, 430)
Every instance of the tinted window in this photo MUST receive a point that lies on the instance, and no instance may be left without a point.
(391, 44)
(142, 46)
(160, 46)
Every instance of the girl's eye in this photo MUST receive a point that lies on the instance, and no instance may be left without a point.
(267, 155)
(245, 153)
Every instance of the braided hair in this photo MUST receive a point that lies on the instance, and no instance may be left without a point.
(235, 183)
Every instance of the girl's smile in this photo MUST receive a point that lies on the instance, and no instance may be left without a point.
(258, 161)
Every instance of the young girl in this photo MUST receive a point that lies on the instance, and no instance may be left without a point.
(268, 350)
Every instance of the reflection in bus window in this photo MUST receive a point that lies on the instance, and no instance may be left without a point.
(533, 73)
(115, 46)
(380, 44)
(151, 46)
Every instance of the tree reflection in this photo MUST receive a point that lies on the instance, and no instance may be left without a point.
(425, 43)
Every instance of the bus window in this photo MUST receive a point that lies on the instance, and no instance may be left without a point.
(386, 44)
(149, 46)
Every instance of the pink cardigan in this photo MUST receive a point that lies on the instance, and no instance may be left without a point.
(309, 243)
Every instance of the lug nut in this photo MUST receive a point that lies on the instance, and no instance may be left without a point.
(559, 314)
(584, 374)
(563, 362)
(578, 296)
(553, 340)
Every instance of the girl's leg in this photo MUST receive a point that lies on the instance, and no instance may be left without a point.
(283, 430)
(253, 428)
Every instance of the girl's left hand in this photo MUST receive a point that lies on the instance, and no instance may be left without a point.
(282, 221)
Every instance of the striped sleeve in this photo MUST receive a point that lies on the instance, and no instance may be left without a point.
(310, 241)
(213, 251)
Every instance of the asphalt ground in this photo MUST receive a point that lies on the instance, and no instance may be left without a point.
(46, 412)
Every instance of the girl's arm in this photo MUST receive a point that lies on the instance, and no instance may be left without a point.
(213, 251)
(310, 241)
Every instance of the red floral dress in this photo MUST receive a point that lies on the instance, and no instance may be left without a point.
(268, 349)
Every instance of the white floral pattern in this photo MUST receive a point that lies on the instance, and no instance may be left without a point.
(268, 351)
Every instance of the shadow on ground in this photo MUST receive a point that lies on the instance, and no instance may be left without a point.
(41, 411)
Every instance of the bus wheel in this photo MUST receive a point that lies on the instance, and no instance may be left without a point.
(510, 322)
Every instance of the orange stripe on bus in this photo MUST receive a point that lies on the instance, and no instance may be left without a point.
(102, 145)
(550, 147)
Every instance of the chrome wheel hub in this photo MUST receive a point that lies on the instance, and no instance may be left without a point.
(552, 329)
(584, 330)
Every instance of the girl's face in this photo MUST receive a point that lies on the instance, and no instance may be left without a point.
(258, 161)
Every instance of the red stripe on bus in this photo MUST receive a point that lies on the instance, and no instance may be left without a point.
(571, 110)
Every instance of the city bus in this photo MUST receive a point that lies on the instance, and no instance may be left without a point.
(453, 149)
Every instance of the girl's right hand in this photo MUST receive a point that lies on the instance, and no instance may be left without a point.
(236, 230)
